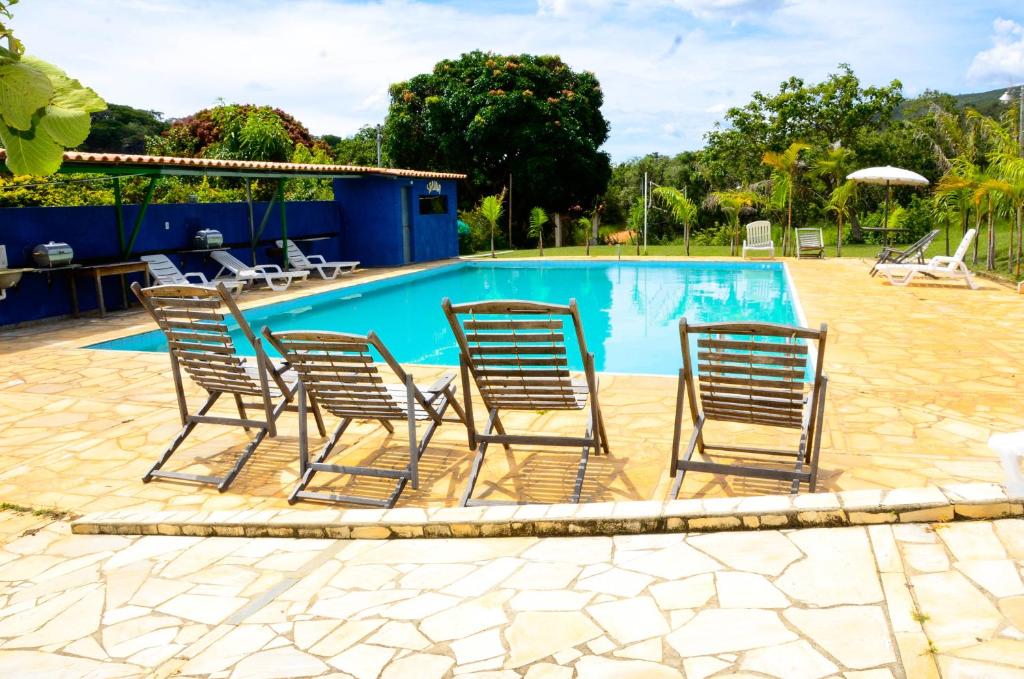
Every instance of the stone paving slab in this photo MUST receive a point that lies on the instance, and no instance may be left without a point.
(863, 602)
(910, 405)
(850, 508)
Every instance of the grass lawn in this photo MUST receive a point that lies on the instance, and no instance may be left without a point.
(870, 251)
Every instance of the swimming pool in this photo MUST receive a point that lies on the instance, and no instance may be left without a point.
(630, 310)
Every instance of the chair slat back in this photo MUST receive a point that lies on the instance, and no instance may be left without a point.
(759, 233)
(753, 372)
(809, 238)
(164, 271)
(916, 251)
(340, 372)
(196, 322)
(296, 257)
(517, 354)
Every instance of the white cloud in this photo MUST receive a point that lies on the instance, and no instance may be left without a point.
(668, 68)
(1005, 59)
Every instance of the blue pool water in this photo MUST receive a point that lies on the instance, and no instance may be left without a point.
(630, 310)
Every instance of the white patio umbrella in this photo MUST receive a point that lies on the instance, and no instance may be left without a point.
(889, 176)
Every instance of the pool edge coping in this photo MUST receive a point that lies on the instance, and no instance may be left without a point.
(967, 501)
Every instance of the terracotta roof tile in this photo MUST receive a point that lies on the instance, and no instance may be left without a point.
(129, 160)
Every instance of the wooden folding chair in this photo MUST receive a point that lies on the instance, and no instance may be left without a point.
(196, 320)
(810, 242)
(337, 372)
(516, 354)
(753, 373)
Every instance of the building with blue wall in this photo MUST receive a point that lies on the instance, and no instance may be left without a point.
(383, 218)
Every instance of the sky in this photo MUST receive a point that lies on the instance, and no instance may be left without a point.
(669, 68)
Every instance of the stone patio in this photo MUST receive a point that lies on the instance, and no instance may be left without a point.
(920, 377)
(876, 602)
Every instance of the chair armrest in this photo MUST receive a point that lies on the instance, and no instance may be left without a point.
(319, 259)
(941, 259)
(441, 383)
(268, 268)
(199, 275)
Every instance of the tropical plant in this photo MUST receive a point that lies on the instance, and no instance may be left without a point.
(490, 209)
(839, 203)
(959, 185)
(682, 209)
(42, 110)
(538, 218)
(785, 167)
(732, 203)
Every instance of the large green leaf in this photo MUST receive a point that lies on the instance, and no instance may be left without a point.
(67, 127)
(32, 152)
(67, 92)
(24, 90)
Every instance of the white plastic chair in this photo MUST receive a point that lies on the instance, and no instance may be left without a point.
(299, 261)
(759, 238)
(1011, 451)
(936, 267)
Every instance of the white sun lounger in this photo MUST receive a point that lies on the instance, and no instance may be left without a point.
(936, 267)
(1010, 447)
(759, 238)
(269, 274)
(166, 273)
(298, 261)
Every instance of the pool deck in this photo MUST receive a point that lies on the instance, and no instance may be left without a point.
(876, 602)
(920, 377)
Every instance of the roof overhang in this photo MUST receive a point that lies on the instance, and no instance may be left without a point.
(116, 164)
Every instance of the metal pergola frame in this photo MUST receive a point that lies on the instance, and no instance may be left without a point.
(126, 241)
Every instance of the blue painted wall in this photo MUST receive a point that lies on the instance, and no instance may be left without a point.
(371, 219)
(364, 222)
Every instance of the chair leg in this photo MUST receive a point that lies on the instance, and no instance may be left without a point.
(581, 469)
(414, 458)
(680, 465)
(241, 409)
(478, 461)
(242, 459)
(500, 429)
(180, 438)
(306, 469)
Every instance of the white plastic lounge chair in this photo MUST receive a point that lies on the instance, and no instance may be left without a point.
(752, 373)
(339, 373)
(936, 267)
(1011, 451)
(269, 274)
(516, 352)
(810, 243)
(759, 238)
(195, 322)
(166, 273)
(915, 251)
(299, 261)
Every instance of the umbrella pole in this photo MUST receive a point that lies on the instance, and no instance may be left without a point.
(885, 223)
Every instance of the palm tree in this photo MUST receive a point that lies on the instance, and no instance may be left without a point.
(732, 203)
(960, 183)
(990, 190)
(681, 208)
(784, 167)
(491, 209)
(586, 225)
(839, 202)
(538, 218)
(1007, 167)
